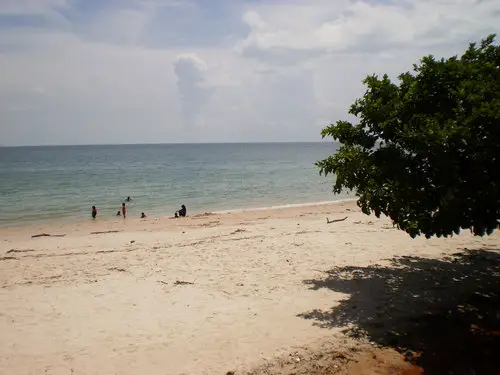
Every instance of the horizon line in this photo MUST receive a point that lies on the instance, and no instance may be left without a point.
(165, 143)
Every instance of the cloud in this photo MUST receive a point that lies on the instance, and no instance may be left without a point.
(132, 71)
(194, 94)
(31, 7)
(33, 13)
(362, 26)
(94, 93)
(287, 108)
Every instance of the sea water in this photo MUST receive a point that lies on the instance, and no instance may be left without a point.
(63, 182)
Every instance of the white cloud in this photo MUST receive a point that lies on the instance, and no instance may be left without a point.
(366, 26)
(119, 27)
(93, 93)
(194, 94)
(47, 10)
(297, 66)
(30, 7)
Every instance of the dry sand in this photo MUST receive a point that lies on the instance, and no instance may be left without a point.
(197, 295)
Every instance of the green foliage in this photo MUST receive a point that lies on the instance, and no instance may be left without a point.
(426, 152)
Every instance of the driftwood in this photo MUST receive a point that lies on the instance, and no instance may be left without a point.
(117, 269)
(108, 231)
(178, 282)
(19, 251)
(328, 221)
(47, 235)
(8, 258)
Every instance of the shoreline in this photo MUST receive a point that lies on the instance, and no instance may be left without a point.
(285, 206)
(113, 219)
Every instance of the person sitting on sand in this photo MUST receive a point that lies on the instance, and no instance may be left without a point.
(94, 212)
(143, 215)
(118, 213)
(124, 210)
(181, 212)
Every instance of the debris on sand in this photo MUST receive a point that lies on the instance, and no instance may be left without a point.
(47, 235)
(180, 282)
(8, 258)
(328, 221)
(117, 269)
(19, 251)
(239, 231)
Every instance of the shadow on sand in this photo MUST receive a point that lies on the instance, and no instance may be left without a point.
(443, 314)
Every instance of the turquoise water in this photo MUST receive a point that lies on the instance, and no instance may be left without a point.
(63, 182)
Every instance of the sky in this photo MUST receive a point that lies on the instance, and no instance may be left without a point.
(171, 71)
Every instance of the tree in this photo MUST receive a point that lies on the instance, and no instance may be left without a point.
(426, 152)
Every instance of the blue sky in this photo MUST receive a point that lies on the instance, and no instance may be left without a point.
(142, 71)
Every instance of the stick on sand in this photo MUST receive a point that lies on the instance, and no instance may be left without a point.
(179, 282)
(108, 231)
(328, 221)
(47, 235)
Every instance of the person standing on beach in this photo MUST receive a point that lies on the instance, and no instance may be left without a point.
(94, 212)
(124, 210)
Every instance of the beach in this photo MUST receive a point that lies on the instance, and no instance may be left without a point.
(210, 293)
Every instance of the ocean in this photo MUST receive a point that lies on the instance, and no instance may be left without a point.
(63, 182)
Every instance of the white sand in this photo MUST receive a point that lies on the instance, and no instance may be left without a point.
(102, 304)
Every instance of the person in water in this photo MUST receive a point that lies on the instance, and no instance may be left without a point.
(118, 213)
(128, 199)
(94, 212)
(182, 212)
(124, 210)
(143, 215)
